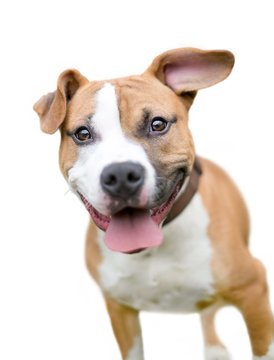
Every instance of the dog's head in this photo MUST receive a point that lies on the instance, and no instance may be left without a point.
(126, 148)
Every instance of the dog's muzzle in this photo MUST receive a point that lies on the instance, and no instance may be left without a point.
(133, 225)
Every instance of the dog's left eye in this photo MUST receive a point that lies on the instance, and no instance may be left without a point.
(158, 124)
(82, 134)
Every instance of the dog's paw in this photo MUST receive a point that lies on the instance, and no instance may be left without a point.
(216, 353)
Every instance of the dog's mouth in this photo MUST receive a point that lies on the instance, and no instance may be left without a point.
(132, 230)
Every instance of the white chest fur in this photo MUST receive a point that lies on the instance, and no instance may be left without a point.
(172, 277)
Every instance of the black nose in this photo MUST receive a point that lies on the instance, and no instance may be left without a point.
(122, 179)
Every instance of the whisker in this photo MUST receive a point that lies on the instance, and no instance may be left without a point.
(67, 192)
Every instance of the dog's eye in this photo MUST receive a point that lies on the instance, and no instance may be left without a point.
(158, 124)
(82, 134)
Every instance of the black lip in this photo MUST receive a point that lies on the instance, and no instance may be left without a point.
(136, 251)
(162, 195)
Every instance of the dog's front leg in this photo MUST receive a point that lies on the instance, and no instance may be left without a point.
(127, 330)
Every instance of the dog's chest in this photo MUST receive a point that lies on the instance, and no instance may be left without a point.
(172, 277)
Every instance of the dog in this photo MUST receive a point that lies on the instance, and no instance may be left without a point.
(169, 230)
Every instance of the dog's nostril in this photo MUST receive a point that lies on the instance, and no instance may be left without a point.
(133, 177)
(111, 180)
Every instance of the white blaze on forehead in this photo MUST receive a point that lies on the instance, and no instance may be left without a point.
(110, 146)
(106, 123)
(106, 120)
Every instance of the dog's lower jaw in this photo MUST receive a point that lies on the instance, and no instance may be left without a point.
(130, 220)
(157, 214)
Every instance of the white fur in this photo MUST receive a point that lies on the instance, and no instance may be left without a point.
(216, 353)
(172, 277)
(136, 353)
(268, 356)
(110, 146)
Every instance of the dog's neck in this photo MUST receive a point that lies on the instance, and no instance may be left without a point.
(188, 192)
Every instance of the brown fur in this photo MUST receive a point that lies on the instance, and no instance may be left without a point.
(125, 324)
(239, 278)
(207, 320)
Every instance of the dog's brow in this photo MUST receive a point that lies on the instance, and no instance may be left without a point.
(174, 119)
(142, 127)
(83, 121)
(146, 114)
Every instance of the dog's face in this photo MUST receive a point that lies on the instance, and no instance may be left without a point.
(126, 128)
(126, 149)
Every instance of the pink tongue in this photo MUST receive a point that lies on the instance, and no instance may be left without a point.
(131, 230)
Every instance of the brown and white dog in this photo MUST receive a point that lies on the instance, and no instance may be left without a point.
(127, 153)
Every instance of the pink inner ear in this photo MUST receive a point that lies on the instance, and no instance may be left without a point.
(194, 72)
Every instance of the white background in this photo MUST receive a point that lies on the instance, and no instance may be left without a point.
(50, 308)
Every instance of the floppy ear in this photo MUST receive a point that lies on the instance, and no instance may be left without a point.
(52, 107)
(187, 70)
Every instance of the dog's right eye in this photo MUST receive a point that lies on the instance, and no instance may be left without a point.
(82, 134)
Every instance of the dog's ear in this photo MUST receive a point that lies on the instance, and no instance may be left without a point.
(52, 107)
(187, 70)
